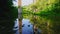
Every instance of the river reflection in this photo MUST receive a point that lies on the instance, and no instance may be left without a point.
(27, 27)
(27, 22)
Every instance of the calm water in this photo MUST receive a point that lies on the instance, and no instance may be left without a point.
(27, 27)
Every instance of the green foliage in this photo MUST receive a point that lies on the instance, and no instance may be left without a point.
(53, 15)
(48, 12)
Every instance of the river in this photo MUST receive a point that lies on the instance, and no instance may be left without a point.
(27, 27)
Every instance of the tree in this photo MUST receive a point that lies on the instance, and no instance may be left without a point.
(53, 15)
(49, 13)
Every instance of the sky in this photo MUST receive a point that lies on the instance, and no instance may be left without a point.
(24, 2)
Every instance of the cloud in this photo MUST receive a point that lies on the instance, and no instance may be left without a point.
(24, 2)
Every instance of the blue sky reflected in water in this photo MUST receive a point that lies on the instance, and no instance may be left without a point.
(27, 29)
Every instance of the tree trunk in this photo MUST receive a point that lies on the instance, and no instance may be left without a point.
(20, 16)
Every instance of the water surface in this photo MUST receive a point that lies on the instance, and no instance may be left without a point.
(27, 27)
